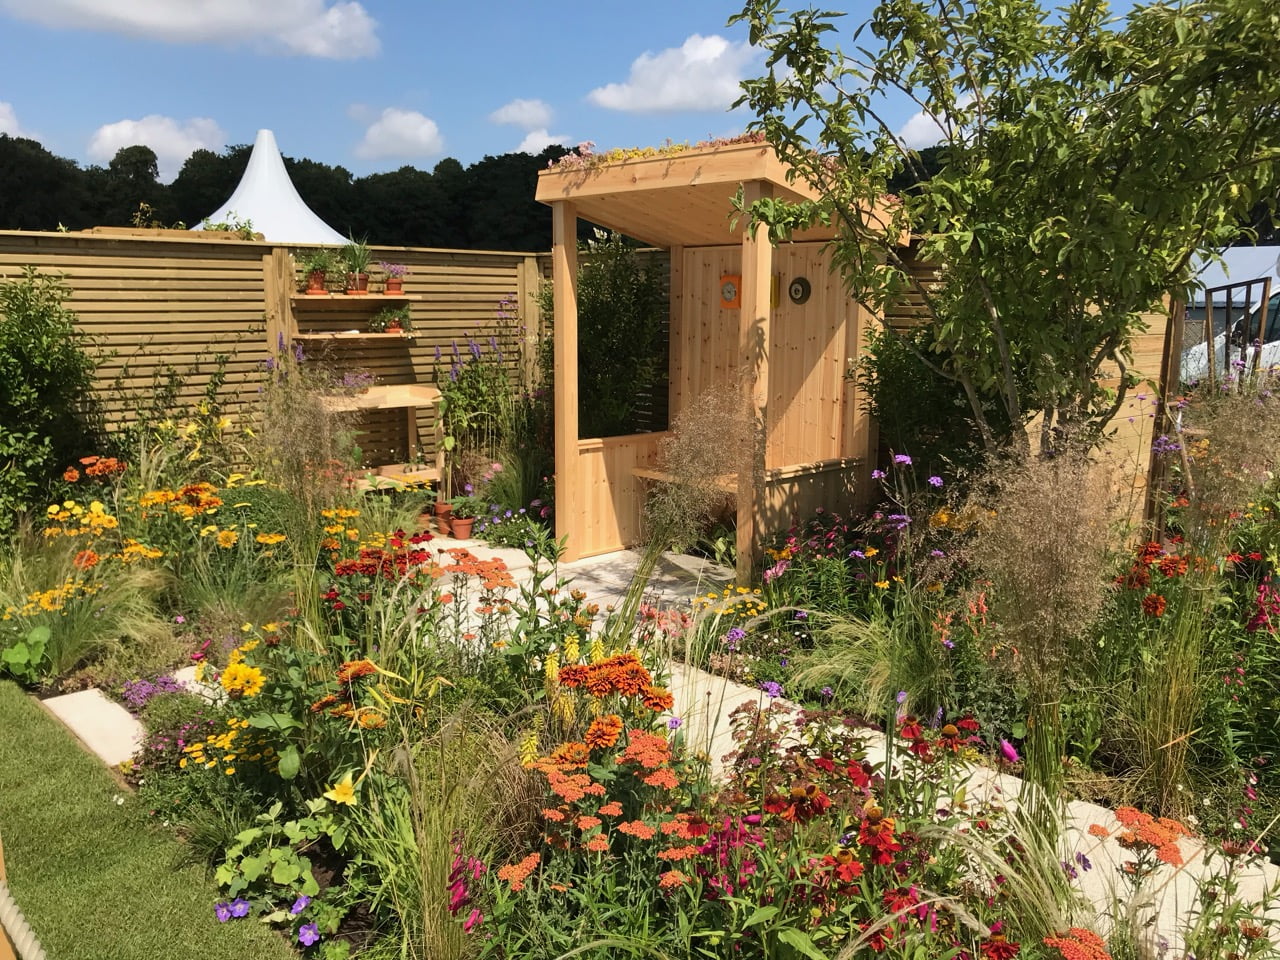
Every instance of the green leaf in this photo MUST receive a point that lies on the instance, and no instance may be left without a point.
(252, 867)
(799, 940)
(285, 872)
(761, 915)
(290, 762)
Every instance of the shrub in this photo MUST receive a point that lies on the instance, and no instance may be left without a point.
(47, 417)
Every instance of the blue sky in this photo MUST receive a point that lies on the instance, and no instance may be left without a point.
(369, 84)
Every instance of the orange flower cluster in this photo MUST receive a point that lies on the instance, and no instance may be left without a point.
(1145, 832)
(493, 574)
(570, 756)
(101, 466)
(517, 873)
(649, 750)
(354, 669)
(603, 732)
(638, 829)
(672, 878)
(1153, 605)
(801, 804)
(195, 499)
(86, 560)
(387, 564)
(1079, 944)
(622, 674)
(324, 703)
(571, 786)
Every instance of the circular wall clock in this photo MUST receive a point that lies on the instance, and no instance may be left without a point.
(799, 290)
(730, 290)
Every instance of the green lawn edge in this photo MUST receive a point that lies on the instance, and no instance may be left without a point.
(94, 877)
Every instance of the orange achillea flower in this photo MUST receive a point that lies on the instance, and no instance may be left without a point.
(612, 809)
(586, 822)
(686, 826)
(672, 878)
(657, 699)
(570, 786)
(1145, 832)
(637, 828)
(678, 853)
(603, 732)
(354, 669)
(517, 873)
(101, 466)
(71, 474)
(1153, 605)
(662, 777)
(556, 816)
(649, 750)
(1098, 830)
(86, 560)
(571, 755)
(597, 844)
(1079, 944)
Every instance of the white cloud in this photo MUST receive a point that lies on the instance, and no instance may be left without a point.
(9, 120)
(701, 74)
(535, 141)
(400, 133)
(529, 114)
(340, 30)
(171, 140)
(921, 130)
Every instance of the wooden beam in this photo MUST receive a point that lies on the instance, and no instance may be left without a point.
(753, 353)
(564, 274)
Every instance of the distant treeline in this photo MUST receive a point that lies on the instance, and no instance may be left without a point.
(488, 205)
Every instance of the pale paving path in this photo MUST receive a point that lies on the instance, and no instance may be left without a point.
(704, 701)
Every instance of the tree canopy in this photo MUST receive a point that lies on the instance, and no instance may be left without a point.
(488, 205)
(1083, 161)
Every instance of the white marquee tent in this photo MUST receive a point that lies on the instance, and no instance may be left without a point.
(267, 198)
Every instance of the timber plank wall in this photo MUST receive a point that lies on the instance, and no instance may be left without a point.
(161, 301)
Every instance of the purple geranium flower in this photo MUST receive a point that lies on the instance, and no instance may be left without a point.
(300, 904)
(239, 907)
(308, 934)
(222, 910)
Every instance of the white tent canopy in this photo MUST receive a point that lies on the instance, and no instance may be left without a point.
(267, 198)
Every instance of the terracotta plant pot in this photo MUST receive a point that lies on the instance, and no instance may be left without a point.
(315, 283)
(462, 527)
(357, 283)
(394, 327)
(393, 285)
(442, 512)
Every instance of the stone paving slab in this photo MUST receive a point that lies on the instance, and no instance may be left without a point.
(105, 727)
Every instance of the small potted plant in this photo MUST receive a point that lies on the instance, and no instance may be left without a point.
(391, 320)
(393, 275)
(357, 257)
(356, 382)
(466, 507)
(316, 265)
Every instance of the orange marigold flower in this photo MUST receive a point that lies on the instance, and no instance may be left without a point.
(573, 675)
(571, 755)
(86, 560)
(657, 699)
(71, 474)
(1153, 605)
(597, 844)
(612, 809)
(637, 828)
(604, 731)
(354, 669)
(672, 878)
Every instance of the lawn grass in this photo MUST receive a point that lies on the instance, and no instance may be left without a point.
(94, 878)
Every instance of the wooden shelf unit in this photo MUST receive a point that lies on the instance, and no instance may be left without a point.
(355, 335)
(386, 396)
(330, 300)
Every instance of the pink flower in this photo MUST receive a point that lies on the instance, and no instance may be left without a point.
(474, 919)
(1008, 751)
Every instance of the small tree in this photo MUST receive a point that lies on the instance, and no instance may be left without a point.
(1083, 162)
(47, 415)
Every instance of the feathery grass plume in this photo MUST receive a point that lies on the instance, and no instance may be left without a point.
(1045, 548)
(701, 450)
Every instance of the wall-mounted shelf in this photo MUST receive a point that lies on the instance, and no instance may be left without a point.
(355, 335)
(387, 396)
(386, 479)
(333, 300)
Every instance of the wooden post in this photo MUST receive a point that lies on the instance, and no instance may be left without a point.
(753, 349)
(564, 274)
(675, 332)
(530, 280)
(6, 945)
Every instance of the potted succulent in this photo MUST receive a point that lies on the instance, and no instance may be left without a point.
(316, 265)
(466, 506)
(357, 257)
(393, 275)
(391, 320)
